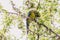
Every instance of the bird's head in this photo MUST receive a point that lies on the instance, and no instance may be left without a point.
(35, 13)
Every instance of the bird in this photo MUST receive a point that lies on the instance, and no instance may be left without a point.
(32, 15)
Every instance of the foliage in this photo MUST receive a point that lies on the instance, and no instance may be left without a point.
(42, 29)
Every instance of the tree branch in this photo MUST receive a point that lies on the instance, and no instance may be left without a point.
(13, 6)
(50, 29)
(8, 12)
(33, 31)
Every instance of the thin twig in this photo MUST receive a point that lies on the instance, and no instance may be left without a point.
(13, 6)
(8, 12)
(33, 31)
(50, 30)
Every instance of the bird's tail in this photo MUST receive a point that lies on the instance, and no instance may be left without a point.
(27, 26)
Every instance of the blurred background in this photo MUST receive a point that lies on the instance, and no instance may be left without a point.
(13, 14)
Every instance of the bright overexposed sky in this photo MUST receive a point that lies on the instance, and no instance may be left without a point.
(14, 31)
(7, 5)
